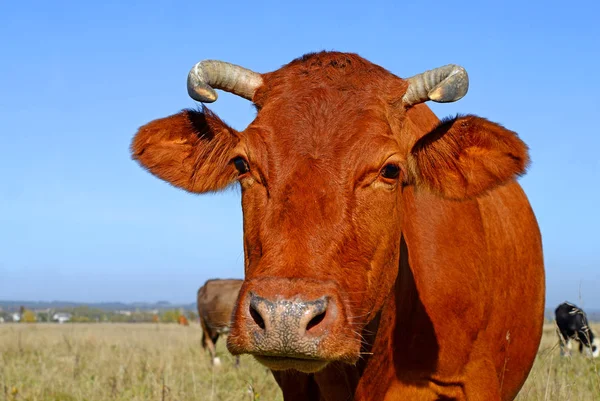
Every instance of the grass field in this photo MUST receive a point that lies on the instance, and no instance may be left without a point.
(162, 362)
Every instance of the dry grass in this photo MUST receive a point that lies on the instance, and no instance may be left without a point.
(101, 362)
(556, 378)
(166, 363)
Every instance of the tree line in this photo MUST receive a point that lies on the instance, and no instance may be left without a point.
(85, 314)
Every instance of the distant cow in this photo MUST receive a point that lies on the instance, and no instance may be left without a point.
(183, 320)
(573, 325)
(216, 299)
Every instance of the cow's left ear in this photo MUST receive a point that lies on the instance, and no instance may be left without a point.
(466, 156)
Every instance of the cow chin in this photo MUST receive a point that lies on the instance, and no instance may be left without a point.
(283, 363)
(309, 361)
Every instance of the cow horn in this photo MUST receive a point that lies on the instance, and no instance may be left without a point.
(208, 75)
(444, 84)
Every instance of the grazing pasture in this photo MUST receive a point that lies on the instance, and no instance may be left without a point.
(165, 362)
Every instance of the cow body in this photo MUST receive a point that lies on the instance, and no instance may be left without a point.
(215, 300)
(572, 324)
(386, 252)
(443, 333)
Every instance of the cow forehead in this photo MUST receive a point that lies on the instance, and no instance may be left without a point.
(324, 113)
(349, 74)
(323, 135)
(321, 118)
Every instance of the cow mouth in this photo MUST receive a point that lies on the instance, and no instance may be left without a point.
(304, 365)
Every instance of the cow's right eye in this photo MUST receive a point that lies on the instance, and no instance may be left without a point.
(241, 165)
(390, 171)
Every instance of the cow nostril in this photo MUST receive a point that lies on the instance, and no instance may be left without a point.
(257, 318)
(315, 321)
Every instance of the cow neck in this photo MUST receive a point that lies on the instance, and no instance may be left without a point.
(370, 378)
(400, 316)
(391, 341)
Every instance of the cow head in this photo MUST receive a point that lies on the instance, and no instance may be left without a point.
(594, 343)
(323, 168)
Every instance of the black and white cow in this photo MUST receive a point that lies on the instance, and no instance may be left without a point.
(573, 325)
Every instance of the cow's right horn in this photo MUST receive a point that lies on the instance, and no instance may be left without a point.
(208, 75)
(444, 84)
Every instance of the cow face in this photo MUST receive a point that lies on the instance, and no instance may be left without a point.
(322, 170)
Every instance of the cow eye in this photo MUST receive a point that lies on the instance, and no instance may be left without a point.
(391, 171)
(241, 165)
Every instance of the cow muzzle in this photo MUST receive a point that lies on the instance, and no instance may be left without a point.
(292, 324)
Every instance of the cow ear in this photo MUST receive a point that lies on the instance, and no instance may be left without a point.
(466, 156)
(191, 150)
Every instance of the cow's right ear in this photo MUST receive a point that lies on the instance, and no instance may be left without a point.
(191, 150)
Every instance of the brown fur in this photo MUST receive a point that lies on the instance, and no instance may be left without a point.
(466, 156)
(189, 150)
(424, 273)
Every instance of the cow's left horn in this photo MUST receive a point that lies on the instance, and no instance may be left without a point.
(444, 84)
(208, 75)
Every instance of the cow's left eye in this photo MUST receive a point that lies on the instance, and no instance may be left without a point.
(390, 171)
(241, 165)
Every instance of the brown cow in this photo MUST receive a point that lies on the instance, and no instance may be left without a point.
(216, 299)
(182, 320)
(388, 254)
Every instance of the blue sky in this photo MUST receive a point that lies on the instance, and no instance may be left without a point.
(80, 221)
